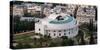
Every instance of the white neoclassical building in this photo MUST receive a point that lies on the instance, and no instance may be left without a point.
(57, 25)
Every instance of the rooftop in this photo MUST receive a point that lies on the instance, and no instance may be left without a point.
(65, 19)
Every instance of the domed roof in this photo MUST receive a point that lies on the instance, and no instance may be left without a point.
(59, 21)
(62, 20)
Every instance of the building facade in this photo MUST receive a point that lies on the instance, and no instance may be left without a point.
(85, 13)
(57, 25)
(18, 10)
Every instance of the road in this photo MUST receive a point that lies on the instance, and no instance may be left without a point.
(24, 32)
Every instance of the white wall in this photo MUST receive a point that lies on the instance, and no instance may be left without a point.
(39, 26)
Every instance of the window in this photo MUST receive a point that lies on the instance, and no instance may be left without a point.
(59, 34)
(64, 33)
(64, 30)
(54, 31)
(59, 30)
(54, 34)
(69, 32)
(39, 29)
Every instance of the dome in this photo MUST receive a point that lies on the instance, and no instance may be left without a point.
(59, 21)
(62, 20)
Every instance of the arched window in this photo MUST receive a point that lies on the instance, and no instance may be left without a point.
(54, 34)
(64, 34)
(69, 32)
(39, 29)
(59, 34)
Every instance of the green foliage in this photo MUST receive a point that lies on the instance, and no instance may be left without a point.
(53, 44)
(64, 37)
(23, 45)
(91, 40)
(23, 26)
(82, 42)
(67, 42)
